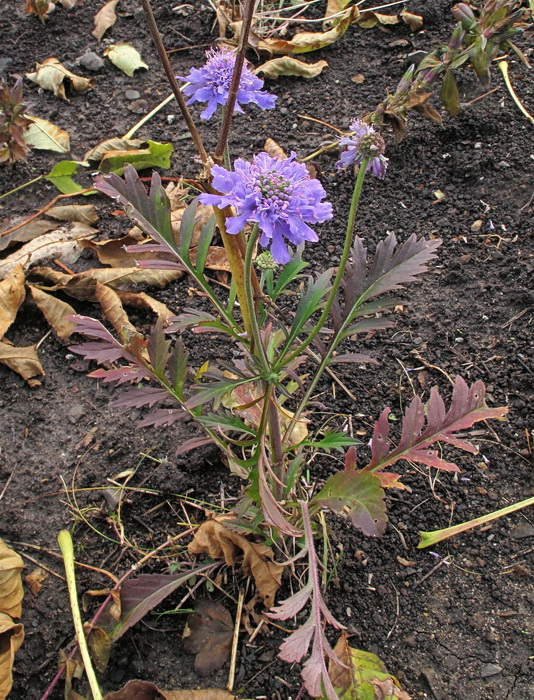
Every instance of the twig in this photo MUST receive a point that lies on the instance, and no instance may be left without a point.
(45, 208)
(42, 566)
(7, 484)
(432, 571)
(231, 674)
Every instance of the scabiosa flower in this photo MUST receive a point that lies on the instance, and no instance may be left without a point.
(365, 143)
(211, 84)
(276, 193)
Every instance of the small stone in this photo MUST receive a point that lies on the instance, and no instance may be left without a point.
(132, 94)
(489, 670)
(503, 164)
(521, 531)
(76, 412)
(476, 225)
(4, 63)
(91, 61)
(138, 107)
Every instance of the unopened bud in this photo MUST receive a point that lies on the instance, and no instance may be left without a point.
(457, 38)
(372, 145)
(465, 14)
(265, 261)
(406, 83)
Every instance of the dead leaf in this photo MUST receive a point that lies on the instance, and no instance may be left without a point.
(99, 645)
(35, 579)
(113, 310)
(215, 260)
(23, 361)
(63, 243)
(11, 297)
(291, 67)
(415, 22)
(144, 690)
(208, 634)
(11, 591)
(358, 78)
(114, 144)
(46, 136)
(369, 19)
(213, 537)
(26, 232)
(113, 251)
(125, 57)
(55, 311)
(140, 300)
(274, 149)
(104, 19)
(11, 638)
(51, 74)
(85, 213)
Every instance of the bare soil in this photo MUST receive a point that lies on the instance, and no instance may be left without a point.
(460, 630)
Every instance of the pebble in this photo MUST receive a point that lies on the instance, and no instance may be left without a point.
(91, 61)
(132, 94)
(76, 412)
(503, 164)
(4, 63)
(521, 531)
(489, 670)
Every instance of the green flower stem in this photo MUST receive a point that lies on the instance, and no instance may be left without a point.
(65, 544)
(255, 338)
(284, 359)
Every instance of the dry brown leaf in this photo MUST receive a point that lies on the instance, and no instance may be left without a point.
(415, 22)
(105, 18)
(11, 637)
(26, 232)
(369, 19)
(11, 297)
(63, 243)
(46, 136)
(11, 591)
(208, 634)
(85, 213)
(215, 260)
(114, 144)
(51, 74)
(112, 252)
(140, 300)
(217, 540)
(274, 149)
(23, 361)
(144, 690)
(113, 310)
(55, 311)
(35, 579)
(291, 67)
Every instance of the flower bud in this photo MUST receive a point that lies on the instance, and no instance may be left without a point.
(465, 14)
(265, 261)
(406, 82)
(457, 38)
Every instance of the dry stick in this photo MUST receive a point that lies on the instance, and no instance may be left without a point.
(231, 675)
(158, 41)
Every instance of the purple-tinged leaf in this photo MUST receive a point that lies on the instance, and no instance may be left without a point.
(358, 494)
(160, 265)
(101, 352)
(120, 375)
(354, 357)
(193, 444)
(158, 349)
(85, 325)
(142, 396)
(190, 317)
(273, 512)
(288, 608)
(147, 248)
(208, 634)
(379, 442)
(315, 674)
(163, 417)
(297, 644)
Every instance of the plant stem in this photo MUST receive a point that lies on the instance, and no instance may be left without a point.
(503, 66)
(147, 117)
(164, 58)
(255, 341)
(65, 544)
(21, 187)
(248, 13)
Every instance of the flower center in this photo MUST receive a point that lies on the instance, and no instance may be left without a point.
(371, 145)
(275, 190)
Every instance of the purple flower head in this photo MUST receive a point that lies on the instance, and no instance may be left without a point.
(365, 143)
(276, 193)
(211, 84)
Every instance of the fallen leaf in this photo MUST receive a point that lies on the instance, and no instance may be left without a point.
(141, 300)
(46, 136)
(61, 176)
(63, 243)
(11, 591)
(23, 361)
(51, 74)
(415, 22)
(114, 144)
(274, 149)
(85, 213)
(208, 634)
(358, 78)
(55, 311)
(363, 674)
(104, 19)
(214, 538)
(144, 690)
(99, 645)
(11, 297)
(291, 67)
(11, 638)
(25, 233)
(126, 58)
(35, 579)
(155, 155)
(369, 19)
(114, 311)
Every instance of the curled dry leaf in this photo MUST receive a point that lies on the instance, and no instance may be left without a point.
(23, 361)
(56, 311)
(144, 690)
(11, 591)
(11, 297)
(104, 19)
(214, 538)
(25, 233)
(35, 579)
(291, 67)
(274, 149)
(114, 311)
(415, 22)
(51, 75)
(11, 638)
(114, 144)
(46, 136)
(85, 213)
(208, 634)
(125, 57)
(63, 243)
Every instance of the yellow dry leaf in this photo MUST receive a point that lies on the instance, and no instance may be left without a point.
(144, 690)
(51, 74)
(55, 311)
(35, 579)
(104, 19)
(113, 310)
(23, 361)
(11, 297)
(274, 149)
(214, 538)
(11, 592)
(11, 637)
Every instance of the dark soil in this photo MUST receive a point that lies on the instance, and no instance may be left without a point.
(462, 630)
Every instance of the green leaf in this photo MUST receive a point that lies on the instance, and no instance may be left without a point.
(309, 303)
(362, 498)
(288, 274)
(61, 176)
(449, 94)
(155, 155)
(205, 238)
(126, 58)
(331, 440)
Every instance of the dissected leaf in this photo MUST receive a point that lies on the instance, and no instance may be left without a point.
(51, 74)
(208, 634)
(61, 176)
(63, 243)
(11, 638)
(11, 591)
(292, 67)
(104, 19)
(46, 136)
(11, 297)
(364, 677)
(214, 538)
(144, 690)
(114, 144)
(55, 311)
(126, 58)
(22, 360)
(155, 155)
(85, 213)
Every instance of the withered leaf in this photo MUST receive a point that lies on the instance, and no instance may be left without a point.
(208, 634)
(141, 300)
(104, 19)
(11, 638)
(113, 144)
(46, 136)
(86, 213)
(55, 311)
(51, 74)
(35, 579)
(144, 690)
(415, 22)
(291, 67)
(214, 538)
(99, 646)
(11, 297)
(26, 232)
(11, 591)
(274, 149)
(23, 361)
(113, 310)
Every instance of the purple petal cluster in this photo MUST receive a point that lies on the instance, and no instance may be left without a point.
(364, 143)
(276, 193)
(211, 84)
